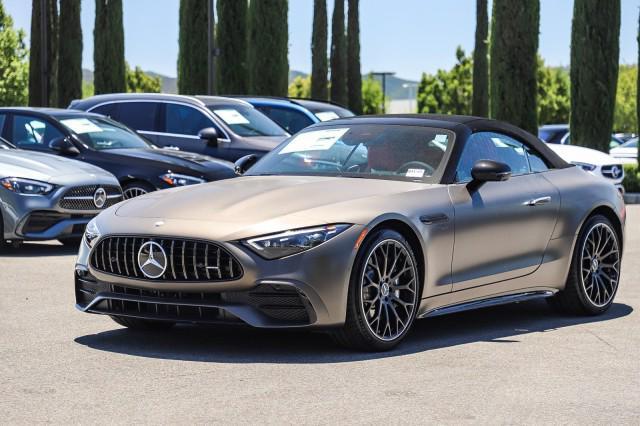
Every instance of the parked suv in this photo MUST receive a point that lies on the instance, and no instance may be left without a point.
(232, 128)
(139, 166)
(44, 197)
(294, 115)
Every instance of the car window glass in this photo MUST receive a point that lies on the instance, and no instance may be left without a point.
(536, 161)
(247, 121)
(289, 119)
(106, 109)
(136, 115)
(103, 133)
(492, 146)
(3, 118)
(184, 120)
(31, 132)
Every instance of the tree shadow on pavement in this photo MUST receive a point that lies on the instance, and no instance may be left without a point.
(50, 248)
(500, 324)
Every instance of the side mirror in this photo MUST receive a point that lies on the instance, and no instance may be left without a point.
(64, 146)
(210, 135)
(490, 171)
(244, 163)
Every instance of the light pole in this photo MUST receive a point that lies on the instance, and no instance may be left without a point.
(211, 48)
(410, 95)
(383, 75)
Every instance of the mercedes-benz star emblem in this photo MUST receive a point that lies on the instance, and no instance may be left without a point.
(100, 198)
(152, 259)
(615, 172)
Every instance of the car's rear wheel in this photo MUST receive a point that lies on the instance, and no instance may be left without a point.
(136, 189)
(142, 324)
(383, 294)
(595, 270)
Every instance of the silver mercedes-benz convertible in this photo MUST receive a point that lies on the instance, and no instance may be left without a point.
(359, 226)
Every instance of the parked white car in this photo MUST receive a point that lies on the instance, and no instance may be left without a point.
(627, 153)
(592, 161)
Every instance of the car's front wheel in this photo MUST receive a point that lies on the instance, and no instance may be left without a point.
(135, 189)
(595, 270)
(383, 293)
(142, 324)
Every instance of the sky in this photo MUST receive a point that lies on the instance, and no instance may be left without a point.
(408, 37)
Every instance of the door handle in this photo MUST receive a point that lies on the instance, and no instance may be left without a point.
(537, 201)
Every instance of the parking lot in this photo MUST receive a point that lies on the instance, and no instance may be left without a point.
(510, 364)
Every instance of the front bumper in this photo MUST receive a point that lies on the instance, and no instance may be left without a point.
(305, 290)
(44, 217)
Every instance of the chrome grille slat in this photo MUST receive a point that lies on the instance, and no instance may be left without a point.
(112, 255)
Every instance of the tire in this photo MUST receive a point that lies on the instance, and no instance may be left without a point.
(382, 294)
(142, 324)
(592, 284)
(135, 189)
(73, 242)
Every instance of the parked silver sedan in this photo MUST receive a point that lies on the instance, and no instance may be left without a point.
(45, 197)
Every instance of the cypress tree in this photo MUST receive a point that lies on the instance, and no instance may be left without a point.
(638, 88)
(35, 52)
(354, 78)
(192, 47)
(108, 48)
(514, 46)
(480, 99)
(268, 47)
(319, 71)
(338, 55)
(231, 39)
(70, 55)
(595, 35)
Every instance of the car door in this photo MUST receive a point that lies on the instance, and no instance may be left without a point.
(182, 124)
(501, 228)
(32, 132)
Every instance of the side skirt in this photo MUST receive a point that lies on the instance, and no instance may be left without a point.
(483, 303)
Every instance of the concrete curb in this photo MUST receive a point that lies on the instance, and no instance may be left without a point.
(632, 198)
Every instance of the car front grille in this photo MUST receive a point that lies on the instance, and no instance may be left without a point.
(185, 260)
(613, 171)
(81, 197)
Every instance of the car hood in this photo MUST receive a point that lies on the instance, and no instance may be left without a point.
(50, 168)
(176, 158)
(254, 205)
(579, 154)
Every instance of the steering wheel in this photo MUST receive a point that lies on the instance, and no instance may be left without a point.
(418, 165)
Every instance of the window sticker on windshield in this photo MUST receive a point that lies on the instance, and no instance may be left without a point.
(231, 116)
(326, 115)
(415, 173)
(319, 140)
(81, 125)
(441, 138)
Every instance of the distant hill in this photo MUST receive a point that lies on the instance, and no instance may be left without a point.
(170, 84)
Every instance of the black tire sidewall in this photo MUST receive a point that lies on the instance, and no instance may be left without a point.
(355, 296)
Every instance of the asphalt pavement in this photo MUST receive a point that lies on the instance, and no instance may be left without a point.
(516, 364)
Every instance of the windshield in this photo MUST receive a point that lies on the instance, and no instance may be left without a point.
(398, 152)
(633, 143)
(102, 133)
(247, 121)
(332, 114)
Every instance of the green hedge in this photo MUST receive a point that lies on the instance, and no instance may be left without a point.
(631, 180)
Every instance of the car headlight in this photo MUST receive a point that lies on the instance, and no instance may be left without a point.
(585, 166)
(91, 233)
(26, 186)
(291, 242)
(175, 179)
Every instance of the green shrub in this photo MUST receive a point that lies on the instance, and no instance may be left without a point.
(631, 180)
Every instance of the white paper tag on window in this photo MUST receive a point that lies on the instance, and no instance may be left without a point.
(318, 140)
(327, 115)
(81, 125)
(415, 173)
(231, 116)
(441, 138)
